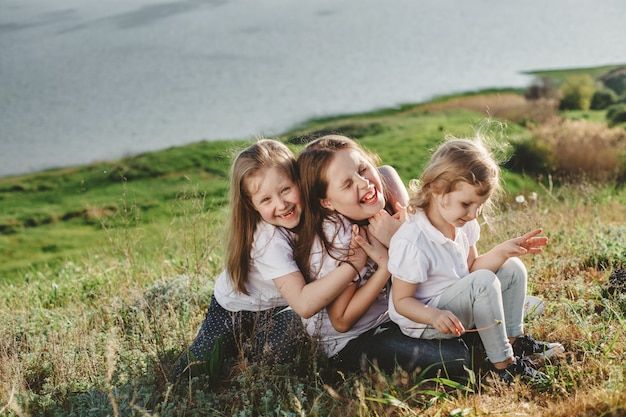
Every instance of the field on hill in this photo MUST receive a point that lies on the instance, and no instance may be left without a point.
(107, 270)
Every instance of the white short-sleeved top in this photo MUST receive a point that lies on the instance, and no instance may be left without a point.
(421, 254)
(319, 326)
(271, 257)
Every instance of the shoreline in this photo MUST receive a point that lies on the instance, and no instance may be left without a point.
(556, 74)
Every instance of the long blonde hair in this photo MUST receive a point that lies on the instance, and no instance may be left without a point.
(264, 154)
(454, 161)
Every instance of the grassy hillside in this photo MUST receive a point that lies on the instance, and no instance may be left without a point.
(50, 217)
(106, 272)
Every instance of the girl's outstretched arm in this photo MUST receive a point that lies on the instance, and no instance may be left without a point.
(493, 259)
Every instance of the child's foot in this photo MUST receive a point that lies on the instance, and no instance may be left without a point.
(526, 346)
(523, 368)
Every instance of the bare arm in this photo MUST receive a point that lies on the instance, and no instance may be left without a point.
(396, 191)
(406, 304)
(307, 299)
(493, 259)
(355, 300)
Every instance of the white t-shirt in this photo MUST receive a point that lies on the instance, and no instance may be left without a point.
(319, 326)
(271, 257)
(421, 254)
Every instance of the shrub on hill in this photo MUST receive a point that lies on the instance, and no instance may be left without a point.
(571, 151)
(541, 88)
(615, 80)
(616, 114)
(576, 92)
(603, 98)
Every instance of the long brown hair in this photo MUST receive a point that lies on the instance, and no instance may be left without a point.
(264, 154)
(313, 163)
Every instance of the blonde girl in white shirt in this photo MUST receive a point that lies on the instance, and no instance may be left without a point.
(441, 285)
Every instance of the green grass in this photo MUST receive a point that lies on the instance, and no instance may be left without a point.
(52, 216)
(96, 335)
(107, 270)
(56, 214)
(597, 116)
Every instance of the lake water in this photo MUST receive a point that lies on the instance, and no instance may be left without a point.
(90, 80)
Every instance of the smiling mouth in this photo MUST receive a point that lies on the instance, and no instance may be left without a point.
(370, 198)
(288, 214)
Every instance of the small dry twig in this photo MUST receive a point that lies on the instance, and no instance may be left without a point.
(495, 323)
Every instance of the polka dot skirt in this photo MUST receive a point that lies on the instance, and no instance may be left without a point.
(272, 336)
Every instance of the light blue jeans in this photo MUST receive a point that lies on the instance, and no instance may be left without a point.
(482, 299)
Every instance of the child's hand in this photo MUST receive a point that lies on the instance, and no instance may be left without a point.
(357, 256)
(370, 245)
(400, 213)
(382, 226)
(447, 323)
(529, 243)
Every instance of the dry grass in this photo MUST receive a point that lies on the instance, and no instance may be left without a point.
(583, 150)
(509, 106)
(108, 351)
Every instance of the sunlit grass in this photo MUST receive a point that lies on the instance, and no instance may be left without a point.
(96, 307)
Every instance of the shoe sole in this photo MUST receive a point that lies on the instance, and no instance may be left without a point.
(533, 306)
(554, 350)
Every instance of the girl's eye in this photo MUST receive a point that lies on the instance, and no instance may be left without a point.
(285, 190)
(362, 170)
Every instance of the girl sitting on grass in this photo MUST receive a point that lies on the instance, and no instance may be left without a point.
(251, 296)
(344, 198)
(441, 285)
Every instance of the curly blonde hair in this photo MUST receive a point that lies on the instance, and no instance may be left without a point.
(456, 160)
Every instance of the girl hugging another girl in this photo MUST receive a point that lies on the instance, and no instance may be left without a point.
(344, 199)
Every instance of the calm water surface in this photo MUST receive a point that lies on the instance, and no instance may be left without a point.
(87, 80)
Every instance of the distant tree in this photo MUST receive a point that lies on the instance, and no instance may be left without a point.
(616, 114)
(576, 92)
(615, 80)
(603, 98)
(541, 87)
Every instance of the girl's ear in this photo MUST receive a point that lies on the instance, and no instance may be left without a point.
(435, 188)
(326, 204)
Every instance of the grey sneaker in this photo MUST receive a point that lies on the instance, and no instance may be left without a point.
(526, 346)
(525, 369)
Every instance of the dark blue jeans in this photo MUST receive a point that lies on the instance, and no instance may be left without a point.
(387, 347)
(273, 336)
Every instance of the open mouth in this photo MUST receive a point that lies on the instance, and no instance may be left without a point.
(370, 198)
(288, 215)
